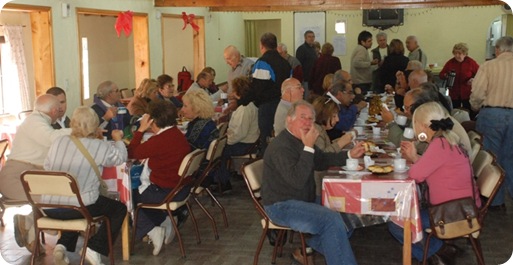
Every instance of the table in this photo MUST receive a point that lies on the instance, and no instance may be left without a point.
(392, 195)
(119, 183)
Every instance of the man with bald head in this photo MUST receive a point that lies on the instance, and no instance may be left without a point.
(29, 149)
(291, 91)
(239, 65)
(416, 53)
(295, 64)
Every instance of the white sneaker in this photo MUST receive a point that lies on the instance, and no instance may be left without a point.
(93, 257)
(170, 231)
(59, 255)
(157, 235)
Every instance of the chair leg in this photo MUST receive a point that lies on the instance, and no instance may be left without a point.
(86, 241)
(225, 219)
(259, 246)
(2, 211)
(109, 238)
(43, 239)
(36, 246)
(476, 245)
(277, 245)
(426, 247)
(178, 235)
(134, 228)
(303, 247)
(212, 220)
(198, 239)
(291, 238)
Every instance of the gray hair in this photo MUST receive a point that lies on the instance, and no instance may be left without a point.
(411, 37)
(505, 44)
(104, 89)
(46, 103)
(381, 34)
(232, 50)
(414, 65)
(339, 86)
(283, 46)
(434, 111)
(292, 111)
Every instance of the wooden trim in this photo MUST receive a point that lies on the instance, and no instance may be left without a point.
(18, 7)
(42, 46)
(198, 40)
(141, 48)
(103, 12)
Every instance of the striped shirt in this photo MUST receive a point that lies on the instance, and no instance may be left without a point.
(493, 84)
(65, 156)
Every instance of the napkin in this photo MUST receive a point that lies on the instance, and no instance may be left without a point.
(368, 161)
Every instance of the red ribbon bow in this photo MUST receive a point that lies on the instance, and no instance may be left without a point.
(189, 19)
(124, 22)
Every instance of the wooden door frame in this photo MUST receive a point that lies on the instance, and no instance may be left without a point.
(42, 44)
(140, 31)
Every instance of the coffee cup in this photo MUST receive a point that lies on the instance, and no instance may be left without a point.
(400, 164)
(364, 116)
(122, 110)
(408, 133)
(376, 130)
(359, 130)
(401, 120)
(224, 95)
(351, 164)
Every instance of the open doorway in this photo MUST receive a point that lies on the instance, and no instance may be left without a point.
(253, 29)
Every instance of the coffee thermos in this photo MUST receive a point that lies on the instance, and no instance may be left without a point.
(450, 79)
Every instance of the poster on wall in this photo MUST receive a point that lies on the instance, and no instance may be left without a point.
(314, 21)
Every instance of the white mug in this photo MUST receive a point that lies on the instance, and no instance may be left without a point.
(400, 164)
(401, 120)
(359, 130)
(352, 164)
(376, 130)
(364, 116)
(408, 133)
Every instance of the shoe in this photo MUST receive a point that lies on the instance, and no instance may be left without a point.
(93, 257)
(157, 235)
(59, 255)
(272, 235)
(448, 254)
(30, 247)
(170, 231)
(298, 256)
(20, 233)
(181, 217)
(226, 188)
(435, 260)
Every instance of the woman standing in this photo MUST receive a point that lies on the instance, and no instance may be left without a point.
(326, 64)
(444, 166)
(394, 62)
(464, 68)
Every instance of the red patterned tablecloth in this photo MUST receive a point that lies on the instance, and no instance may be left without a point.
(118, 180)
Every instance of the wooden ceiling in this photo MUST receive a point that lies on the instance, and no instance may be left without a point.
(318, 5)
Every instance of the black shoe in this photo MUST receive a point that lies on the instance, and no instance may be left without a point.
(272, 235)
(447, 254)
(183, 214)
(435, 260)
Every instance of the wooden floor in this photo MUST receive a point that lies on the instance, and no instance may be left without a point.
(237, 243)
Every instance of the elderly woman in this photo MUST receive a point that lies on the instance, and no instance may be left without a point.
(147, 91)
(167, 90)
(446, 169)
(64, 155)
(326, 64)
(202, 130)
(394, 62)
(165, 151)
(242, 130)
(465, 69)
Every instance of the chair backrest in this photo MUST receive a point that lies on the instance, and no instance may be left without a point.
(253, 173)
(22, 115)
(476, 146)
(126, 93)
(3, 146)
(216, 148)
(473, 135)
(191, 163)
(489, 182)
(222, 127)
(482, 159)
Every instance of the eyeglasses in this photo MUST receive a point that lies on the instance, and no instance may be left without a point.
(348, 92)
(406, 108)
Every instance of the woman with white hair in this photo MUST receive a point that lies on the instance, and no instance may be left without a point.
(65, 155)
(444, 166)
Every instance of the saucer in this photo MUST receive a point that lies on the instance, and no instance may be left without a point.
(402, 171)
(359, 168)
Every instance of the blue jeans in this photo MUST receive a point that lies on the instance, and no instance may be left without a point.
(230, 150)
(417, 249)
(329, 233)
(266, 113)
(496, 126)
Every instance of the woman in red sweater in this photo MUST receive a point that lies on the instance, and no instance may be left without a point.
(165, 151)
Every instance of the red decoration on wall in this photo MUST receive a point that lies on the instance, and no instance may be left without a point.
(189, 19)
(124, 22)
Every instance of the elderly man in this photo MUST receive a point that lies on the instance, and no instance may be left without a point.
(239, 65)
(361, 63)
(291, 91)
(106, 104)
(415, 78)
(416, 53)
(269, 72)
(295, 64)
(288, 186)
(63, 120)
(29, 149)
(203, 82)
(307, 55)
(379, 53)
(492, 95)
(343, 94)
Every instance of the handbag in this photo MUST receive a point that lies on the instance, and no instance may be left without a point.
(455, 218)
(104, 189)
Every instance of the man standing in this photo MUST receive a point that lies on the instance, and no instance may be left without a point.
(288, 186)
(106, 104)
(63, 120)
(29, 149)
(291, 91)
(239, 65)
(361, 63)
(415, 52)
(379, 53)
(297, 69)
(493, 96)
(307, 55)
(269, 72)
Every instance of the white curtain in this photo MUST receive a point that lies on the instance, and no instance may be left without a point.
(14, 72)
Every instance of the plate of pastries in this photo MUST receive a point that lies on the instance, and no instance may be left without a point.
(377, 169)
(369, 146)
(372, 119)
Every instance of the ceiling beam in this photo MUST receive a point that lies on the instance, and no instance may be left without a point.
(318, 5)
